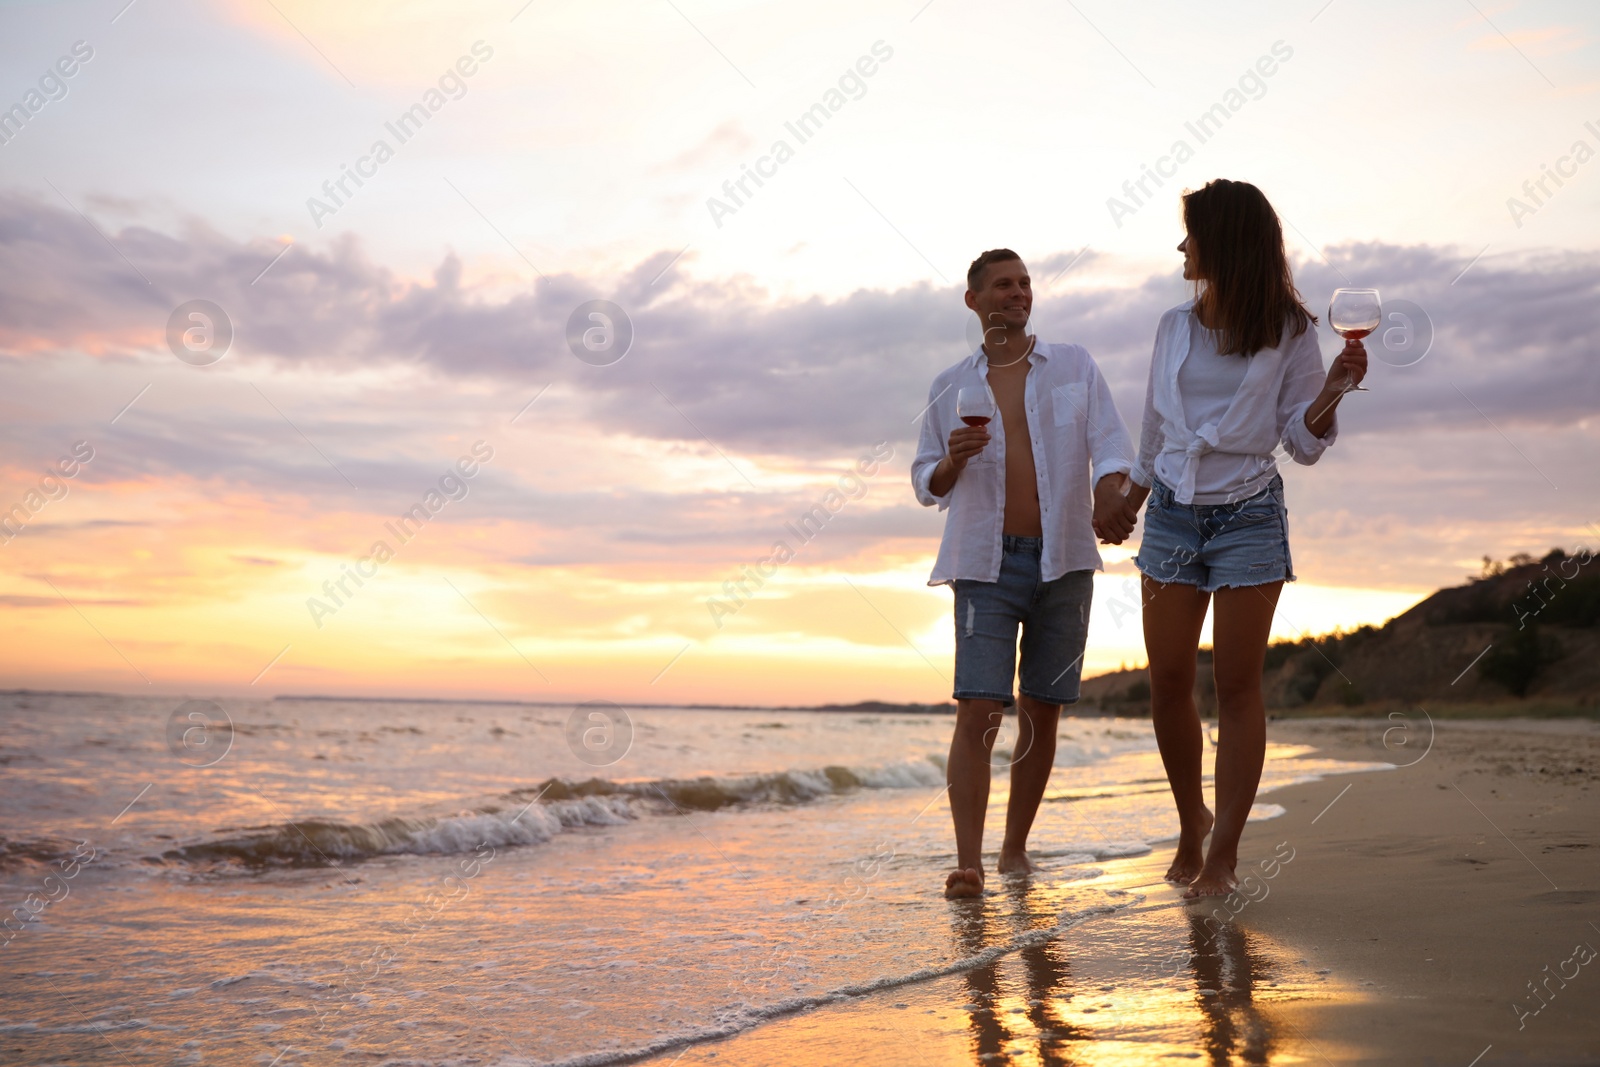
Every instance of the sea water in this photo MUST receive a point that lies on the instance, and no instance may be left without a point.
(322, 881)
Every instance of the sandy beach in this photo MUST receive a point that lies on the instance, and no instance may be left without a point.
(1419, 908)
(1450, 885)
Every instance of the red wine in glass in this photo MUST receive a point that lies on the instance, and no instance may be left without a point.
(1353, 314)
(975, 405)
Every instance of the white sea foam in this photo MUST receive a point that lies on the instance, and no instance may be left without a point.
(561, 805)
(535, 816)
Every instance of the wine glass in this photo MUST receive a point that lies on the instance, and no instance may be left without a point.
(975, 405)
(1354, 313)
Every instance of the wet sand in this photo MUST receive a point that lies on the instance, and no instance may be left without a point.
(1425, 914)
(1450, 884)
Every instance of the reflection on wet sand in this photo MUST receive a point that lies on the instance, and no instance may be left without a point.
(1167, 984)
(996, 1014)
(1224, 964)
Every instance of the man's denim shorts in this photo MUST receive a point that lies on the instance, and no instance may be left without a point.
(1216, 545)
(1055, 624)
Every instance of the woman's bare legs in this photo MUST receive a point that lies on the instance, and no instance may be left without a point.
(1240, 629)
(1173, 616)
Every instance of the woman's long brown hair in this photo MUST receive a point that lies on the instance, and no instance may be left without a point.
(1250, 296)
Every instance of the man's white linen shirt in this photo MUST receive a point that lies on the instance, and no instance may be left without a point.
(1078, 438)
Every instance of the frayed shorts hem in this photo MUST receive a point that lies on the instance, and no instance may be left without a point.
(1206, 588)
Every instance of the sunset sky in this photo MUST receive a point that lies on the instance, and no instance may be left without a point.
(779, 332)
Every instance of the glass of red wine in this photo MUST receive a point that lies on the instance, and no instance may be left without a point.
(1353, 314)
(975, 405)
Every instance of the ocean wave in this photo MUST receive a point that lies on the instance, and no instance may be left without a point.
(534, 815)
(777, 787)
(321, 843)
(35, 851)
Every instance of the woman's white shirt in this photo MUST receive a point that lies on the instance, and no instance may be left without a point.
(1207, 382)
(1212, 423)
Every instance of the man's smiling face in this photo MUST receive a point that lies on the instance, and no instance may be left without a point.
(1005, 296)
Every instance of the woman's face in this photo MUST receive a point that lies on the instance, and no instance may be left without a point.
(1191, 265)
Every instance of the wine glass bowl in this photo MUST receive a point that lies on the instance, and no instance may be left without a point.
(1353, 314)
(974, 405)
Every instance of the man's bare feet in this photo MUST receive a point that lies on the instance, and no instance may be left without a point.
(1214, 880)
(1016, 862)
(963, 882)
(1190, 857)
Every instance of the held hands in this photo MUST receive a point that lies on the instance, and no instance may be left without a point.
(1349, 367)
(1116, 508)
(1116, 498)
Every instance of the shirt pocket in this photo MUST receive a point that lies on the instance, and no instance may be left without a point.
(1070, 403)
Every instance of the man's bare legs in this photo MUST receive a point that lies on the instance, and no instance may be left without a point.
(1031, 764)
(1240, 629)
(967, 770)
(1173, 616)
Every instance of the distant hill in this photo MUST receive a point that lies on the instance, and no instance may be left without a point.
(1538, 619)
(881, 707)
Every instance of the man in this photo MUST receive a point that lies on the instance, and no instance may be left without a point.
(1018, 546)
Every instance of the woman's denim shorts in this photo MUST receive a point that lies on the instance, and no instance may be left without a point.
(1216, 545)
(1054, 617)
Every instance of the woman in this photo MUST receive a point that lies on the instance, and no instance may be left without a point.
(1236, 373)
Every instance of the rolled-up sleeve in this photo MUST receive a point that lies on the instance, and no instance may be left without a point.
(930, 450)
(1303, 376)
(1110, 448)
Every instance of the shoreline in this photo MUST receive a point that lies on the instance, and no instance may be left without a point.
(1404, 914)
(1445, 887)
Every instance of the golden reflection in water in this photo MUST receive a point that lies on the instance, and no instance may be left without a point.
(1163, 985)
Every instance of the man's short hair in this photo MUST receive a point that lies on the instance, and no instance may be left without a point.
(994, 255)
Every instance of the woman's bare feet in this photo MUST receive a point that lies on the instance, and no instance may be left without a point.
(1214, 880)
(1190, 857)
(963, 882)
(1016, 862)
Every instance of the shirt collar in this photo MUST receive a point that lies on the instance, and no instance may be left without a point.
(979, 359)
